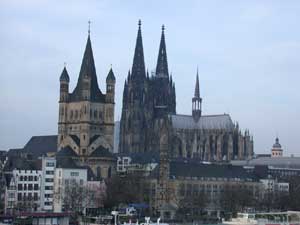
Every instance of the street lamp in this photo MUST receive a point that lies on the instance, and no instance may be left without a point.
(115, 214)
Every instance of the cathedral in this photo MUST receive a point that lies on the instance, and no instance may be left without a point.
(149, 99)
(86, 117)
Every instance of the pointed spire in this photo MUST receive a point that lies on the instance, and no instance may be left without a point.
(64, 75)
(162, 62)
(88, 71)
(197, 89)
(138, 67)
(110, 76)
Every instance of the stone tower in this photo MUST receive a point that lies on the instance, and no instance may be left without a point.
(86, 116)
(145, 99)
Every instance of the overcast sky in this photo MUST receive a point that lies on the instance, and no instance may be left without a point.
(248, 54)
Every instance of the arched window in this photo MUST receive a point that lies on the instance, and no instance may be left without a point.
(71, 116)
(85, 109)
(76, 114)
(95, 114)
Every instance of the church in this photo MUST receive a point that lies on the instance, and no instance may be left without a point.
(149, 99)
(86, 118)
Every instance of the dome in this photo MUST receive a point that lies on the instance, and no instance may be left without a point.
(277, 145)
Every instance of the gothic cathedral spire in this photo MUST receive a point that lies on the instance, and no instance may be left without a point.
(162, 62)
(138, 67)
(197, 101)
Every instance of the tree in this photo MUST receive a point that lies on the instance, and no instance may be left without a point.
(192, 206)
(235, 198)
(124, 190)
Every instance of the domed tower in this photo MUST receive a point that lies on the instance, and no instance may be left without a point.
(276, 149)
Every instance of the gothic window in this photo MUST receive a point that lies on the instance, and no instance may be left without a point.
(95, 114)
(85, 109)
(84, 137)
(71, 116)
(76, 114)
(62, 111)
(91, 113)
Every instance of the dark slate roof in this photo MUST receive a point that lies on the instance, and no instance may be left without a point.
(144, 157)
(66, 152)
(181, 169)
(15, 152)
(41, 145)
(67, 163)
(87, 69)
(64, 75)
(110, 75)
(278, 162)
(102, 152)
(206, 122)
(94, 138)
(20, 163)
(75, 139)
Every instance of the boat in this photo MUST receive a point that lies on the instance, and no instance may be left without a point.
(269, 218)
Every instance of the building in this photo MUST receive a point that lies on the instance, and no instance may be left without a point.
(276, 150)
(86, 115)
(147, 99)
(47, 195)
(23, 190)
(69, 183)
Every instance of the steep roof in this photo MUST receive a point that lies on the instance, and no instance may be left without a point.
(87, 70)
(206, 122)
(20, 163)
(102, 152)
(138, 66)
(41, 145)
(67, 163)
(66, 152)
(64, 75)
(162, 61)
(110, 75)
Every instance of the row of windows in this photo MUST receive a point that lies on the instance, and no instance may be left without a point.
(75, 114)
(29, 187)
(50, 164)
(48, 195)
(49, 179)
(28, 178)
(49, 172)
(29, 197)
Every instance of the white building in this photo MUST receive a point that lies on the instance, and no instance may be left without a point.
(69, 182)
(272, 186)
(48, 168)
(23, 191)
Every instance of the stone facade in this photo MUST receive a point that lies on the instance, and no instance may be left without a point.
(148, 99)
(145, 100)
(86, 116)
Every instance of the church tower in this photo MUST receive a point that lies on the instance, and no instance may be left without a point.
(197, 101)
(86, 116)
(163, 86)
(136, 104)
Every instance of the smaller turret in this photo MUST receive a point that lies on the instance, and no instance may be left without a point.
(110, 87)
(197, 101)
(64, 85)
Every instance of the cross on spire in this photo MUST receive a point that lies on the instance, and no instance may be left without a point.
(89, 30)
